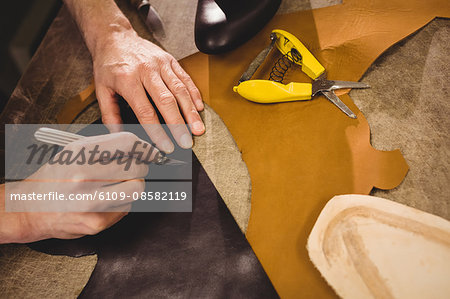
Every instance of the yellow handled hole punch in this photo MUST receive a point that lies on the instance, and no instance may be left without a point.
(274, 91)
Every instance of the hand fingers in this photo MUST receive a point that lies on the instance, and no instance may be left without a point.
(186, 79)
(167, 105)
(145, 113)
(118, 197)
(112, 146)
(107, 101)
(127, 192)
(183, 97)
(106, 158)
(94, 222)
(119, 171)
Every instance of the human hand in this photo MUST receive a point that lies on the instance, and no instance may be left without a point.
(129, 66)
(73, 219)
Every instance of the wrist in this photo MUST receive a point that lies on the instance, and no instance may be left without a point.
(14, 227)
(18, 227)
(99, 22)
(108, 37)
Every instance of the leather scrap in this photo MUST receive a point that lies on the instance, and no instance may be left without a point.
(418, 69)
(76, 105)
(222, 161)
(25, 273)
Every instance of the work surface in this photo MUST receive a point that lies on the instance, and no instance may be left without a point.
(406, 108)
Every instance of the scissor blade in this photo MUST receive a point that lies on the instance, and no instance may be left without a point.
(173, 162)
(154, 23)
(347, 84)
(330, 95)
(322, 85)
(163, 160)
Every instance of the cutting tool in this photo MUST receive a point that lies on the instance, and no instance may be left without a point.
(150, 17)
(274, 91)
(63, 138)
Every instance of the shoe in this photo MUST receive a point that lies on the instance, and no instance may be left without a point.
(223, 25)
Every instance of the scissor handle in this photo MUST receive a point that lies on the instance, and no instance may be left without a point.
(286, 42)
(266, 91)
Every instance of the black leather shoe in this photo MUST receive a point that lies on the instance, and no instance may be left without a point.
(223, 25)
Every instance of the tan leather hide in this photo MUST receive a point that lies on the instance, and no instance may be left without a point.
(301, 154)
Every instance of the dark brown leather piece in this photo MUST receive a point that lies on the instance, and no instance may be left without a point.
(223, 25)
(202, 254)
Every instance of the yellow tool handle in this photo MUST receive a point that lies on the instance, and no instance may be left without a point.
(310, 65)
(265, 91)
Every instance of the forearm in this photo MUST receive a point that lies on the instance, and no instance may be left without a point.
(98, 21)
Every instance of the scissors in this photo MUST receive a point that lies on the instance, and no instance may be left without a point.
(274, 91)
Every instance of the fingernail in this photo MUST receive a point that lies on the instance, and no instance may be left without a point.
(198, 126)
(200, 104)
(167, 146)
(186, 141)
